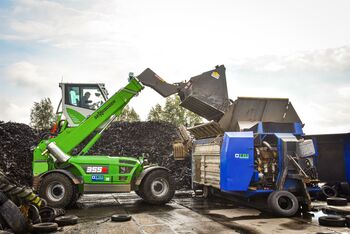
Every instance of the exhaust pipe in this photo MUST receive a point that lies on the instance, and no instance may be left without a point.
(57, 153)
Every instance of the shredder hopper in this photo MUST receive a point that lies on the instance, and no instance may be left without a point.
(207, 96)
(245, 112)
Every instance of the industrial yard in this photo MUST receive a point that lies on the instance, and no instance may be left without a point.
(250, 163)
(187, 214)
(183, 117)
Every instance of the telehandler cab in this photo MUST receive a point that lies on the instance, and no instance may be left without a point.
(61, 178)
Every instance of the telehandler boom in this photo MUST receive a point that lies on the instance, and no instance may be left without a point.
(60, 177)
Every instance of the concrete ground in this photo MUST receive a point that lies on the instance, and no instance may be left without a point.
(185, 214)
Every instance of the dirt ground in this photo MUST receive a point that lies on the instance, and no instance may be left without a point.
(185, 214)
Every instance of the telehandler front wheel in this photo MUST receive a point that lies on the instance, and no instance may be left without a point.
(158, 187)
(58, 190)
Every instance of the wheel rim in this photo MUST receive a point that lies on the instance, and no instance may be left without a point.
(159, 187)
(285, 203)
(55, 191)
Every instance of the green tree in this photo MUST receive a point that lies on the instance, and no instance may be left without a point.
(42, 115)
(128, 115)
(155, 113)
(174, 113)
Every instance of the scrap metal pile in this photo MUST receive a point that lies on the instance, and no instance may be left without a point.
(152, 140)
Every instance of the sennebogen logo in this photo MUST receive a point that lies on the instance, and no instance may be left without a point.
(242, 156)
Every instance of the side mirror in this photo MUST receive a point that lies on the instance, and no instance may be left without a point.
(97, 94)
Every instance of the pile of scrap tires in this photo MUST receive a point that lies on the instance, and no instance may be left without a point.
(335, 220)
(22, 211)
(16, 141)
(153, 140)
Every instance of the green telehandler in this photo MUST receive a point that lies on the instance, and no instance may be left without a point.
(61, 178)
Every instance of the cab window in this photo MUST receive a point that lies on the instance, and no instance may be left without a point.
(85, 96)
(73, 96)
(92, 98)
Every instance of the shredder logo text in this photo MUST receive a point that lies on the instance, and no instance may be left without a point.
(242, 156)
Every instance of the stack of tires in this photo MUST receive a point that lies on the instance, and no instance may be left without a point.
(333, 220)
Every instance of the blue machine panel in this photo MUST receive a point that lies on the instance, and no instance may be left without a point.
(347, 156)
(237, 161)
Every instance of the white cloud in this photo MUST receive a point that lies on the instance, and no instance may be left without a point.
(273, 67)
(344, 91)
(14, 112)
(30, 76)
(264, 50)
(24, 74)
(317, 82)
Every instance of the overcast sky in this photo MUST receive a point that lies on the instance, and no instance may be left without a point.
(293, 49)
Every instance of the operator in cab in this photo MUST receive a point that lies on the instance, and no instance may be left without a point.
(85, 102)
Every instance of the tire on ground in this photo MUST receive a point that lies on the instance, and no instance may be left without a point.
(337, 201)
(157, 187)
(347, 219)
(283, 203)
(328, 191)
(44, 227)
(66, 220)
(120, 218)
(331, 221)
(57, 189)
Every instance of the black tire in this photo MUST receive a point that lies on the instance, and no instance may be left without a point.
(337, 201)
(47, 214)
(34, 214)
(3, 198)
(158, 187)
(328, 191)
(283, 203)
(331, 221)
(44, 227)
(13, 217)
(139, 193)
(347, 220)
(77, 195)
(66, 220)
(120, 218)
(57, 189)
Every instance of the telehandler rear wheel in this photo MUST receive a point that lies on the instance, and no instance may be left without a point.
(57, 190)
(157, 188)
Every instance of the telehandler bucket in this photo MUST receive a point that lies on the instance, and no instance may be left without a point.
(205, 94)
